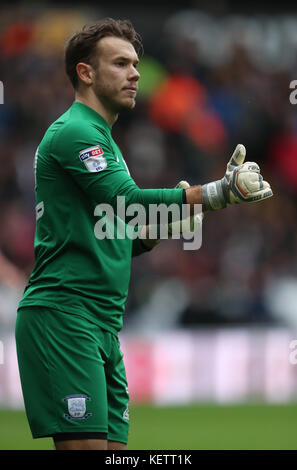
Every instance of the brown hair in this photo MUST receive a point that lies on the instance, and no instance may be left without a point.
(81, 47)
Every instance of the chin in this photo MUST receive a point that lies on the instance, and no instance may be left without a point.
(131, 103)
(128, 104)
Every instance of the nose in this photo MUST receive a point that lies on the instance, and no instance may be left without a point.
(134, 74)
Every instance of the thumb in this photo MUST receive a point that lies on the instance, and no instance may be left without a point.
(238, 156)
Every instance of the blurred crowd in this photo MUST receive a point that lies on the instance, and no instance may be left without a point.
(206, 85)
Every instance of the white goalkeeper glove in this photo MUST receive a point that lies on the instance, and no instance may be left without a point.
(188, 225)
(242, 182)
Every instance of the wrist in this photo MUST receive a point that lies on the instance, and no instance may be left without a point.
(214, 195)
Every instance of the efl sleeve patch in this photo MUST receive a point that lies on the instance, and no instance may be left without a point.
(93, 158)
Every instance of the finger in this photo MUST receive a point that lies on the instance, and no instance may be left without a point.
(267, 191)
(259, 196)
(249, 182)
(182, 185)
(238, 156)
(266, 185)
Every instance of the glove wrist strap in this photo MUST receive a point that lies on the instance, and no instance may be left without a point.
(213, 197)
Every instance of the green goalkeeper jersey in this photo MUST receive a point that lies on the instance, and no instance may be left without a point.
(78, 166)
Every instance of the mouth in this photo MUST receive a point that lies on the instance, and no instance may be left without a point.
(131, 89)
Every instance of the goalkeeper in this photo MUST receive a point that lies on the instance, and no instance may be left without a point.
(71, 366)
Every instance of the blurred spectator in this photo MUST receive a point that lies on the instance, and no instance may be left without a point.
(211, 83)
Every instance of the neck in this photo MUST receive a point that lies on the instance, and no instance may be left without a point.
(93, 102)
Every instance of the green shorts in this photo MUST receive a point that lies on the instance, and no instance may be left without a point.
(73, 376)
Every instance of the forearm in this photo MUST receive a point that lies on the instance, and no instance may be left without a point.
(193, 196)
(144, 198)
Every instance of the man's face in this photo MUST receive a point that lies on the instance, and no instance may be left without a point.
(116, 77)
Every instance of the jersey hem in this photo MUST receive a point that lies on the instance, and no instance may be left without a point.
(70, 310)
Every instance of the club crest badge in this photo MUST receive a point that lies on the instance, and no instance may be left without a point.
(77, 407)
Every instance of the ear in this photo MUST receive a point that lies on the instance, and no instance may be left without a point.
(85, 73)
